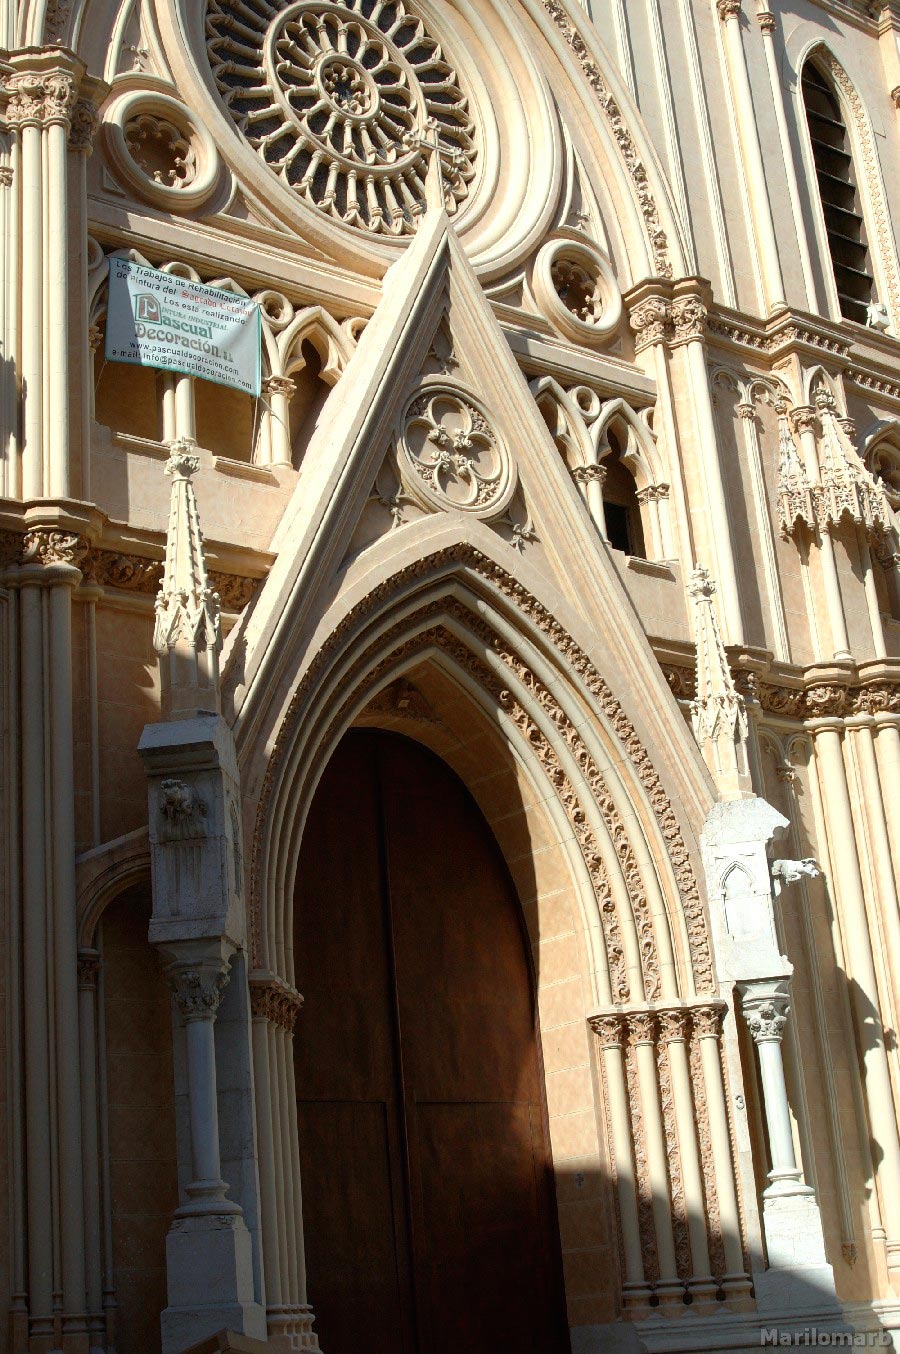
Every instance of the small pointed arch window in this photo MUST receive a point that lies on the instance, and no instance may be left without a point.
(621, 506)
(838, 194)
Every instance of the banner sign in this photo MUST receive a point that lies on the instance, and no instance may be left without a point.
(157, 320)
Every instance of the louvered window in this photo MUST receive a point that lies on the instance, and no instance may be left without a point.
(840, 199)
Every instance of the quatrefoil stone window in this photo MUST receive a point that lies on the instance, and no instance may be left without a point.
(450, 456)
(344, 102)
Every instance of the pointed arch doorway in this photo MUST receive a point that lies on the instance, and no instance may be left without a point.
(429, 1215)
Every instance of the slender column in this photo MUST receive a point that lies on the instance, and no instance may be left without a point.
(760, 206)
(641, 1028)
(886, 896)
(689, 324)
(874, 607)
(185, 416)
(590, 480)
(65, 947)
(32, 311)
(887, 749)
(34, 942)
(88, 972)
(57, 287)
(609, 1030)
(765, 1006)
(280, 390)
(197, 986)
(860, 962)
(673, 1032)
(266, 1148)
(707, 1022)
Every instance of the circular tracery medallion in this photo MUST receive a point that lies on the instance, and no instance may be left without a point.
(342, 100)
(450, 455)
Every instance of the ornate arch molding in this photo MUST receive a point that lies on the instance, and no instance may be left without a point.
(364, 654)
(875, 204)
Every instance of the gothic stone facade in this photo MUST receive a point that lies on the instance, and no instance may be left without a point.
(573, 484)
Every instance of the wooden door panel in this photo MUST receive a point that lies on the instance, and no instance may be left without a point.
(482, 1228)
(430, 1225)
(350, 1225)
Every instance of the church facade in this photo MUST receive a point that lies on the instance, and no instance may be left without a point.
(449, 883)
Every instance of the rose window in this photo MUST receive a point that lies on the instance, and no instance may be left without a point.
(346, 102)
(451, 457)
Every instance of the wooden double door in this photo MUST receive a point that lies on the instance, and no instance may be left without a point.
(429, 1215)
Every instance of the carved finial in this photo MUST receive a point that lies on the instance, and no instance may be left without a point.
(718, 714)
(846, 487)
(795, 502)
(187, 635)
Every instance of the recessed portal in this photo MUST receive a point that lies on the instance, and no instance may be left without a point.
(428, 1206)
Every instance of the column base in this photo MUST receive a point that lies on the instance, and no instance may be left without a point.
(799, 1277)
(210, 1281)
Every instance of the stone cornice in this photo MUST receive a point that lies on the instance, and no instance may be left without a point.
(799, 694)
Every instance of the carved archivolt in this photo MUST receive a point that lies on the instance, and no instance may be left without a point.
(579, 665)
(346, 103)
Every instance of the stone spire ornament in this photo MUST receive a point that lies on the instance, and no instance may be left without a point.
(718, 715)
(795, 500)
(187, 635)
(846, 485)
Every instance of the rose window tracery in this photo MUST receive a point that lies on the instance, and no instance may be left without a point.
(161, 150)
(579, 289)
(346, 102)
(451, 457)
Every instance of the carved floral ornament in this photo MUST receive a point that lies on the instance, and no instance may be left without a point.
(449, 455)
(346, 102)
(815, 701)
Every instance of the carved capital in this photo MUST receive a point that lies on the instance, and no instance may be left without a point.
(689, 316)
(824, 699)
(83, 125)
(650, 322)
(728, 9)
(198, 991)
(673, 1025)
(88, 970)
(766, 1017)
(6, 176)
(652, 493)
(803, 418)
(766, 23)
(48, 545)
(708, 1020)
(641, 1026)
(584, 474)
(279, 385)
(40, 99)
(609, 1029)
(274, 1000)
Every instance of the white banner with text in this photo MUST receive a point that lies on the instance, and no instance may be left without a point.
(157, 320)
